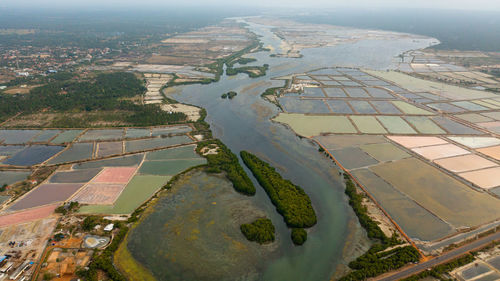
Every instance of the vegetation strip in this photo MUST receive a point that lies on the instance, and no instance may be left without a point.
(225, 160)
(290, 200)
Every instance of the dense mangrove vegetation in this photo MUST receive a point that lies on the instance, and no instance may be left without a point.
(290, 200)
(229, 95)
(261, 231)
(299, 236)
(374, 264)
(225, 160)
(251, 71)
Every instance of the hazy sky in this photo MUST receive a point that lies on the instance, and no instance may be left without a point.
(439, 4)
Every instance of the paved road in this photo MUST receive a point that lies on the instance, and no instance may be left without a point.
(443, 258)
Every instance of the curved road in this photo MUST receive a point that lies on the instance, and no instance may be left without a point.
(441, 259)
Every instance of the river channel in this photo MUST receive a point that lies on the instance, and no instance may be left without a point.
(243, 123)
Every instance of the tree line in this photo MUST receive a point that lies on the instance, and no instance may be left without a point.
(105, 92)
(227, 161)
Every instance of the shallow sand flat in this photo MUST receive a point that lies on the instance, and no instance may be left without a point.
(486, 178)
(412, 142)
(342, 141)
(309, 125)
(465, 163)
(476, 142)
(440, 151)
(493, 152)
(420, 85)
(443, 195)
(368, 124)
(384, 152)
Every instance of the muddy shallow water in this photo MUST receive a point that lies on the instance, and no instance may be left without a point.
(193, 233)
